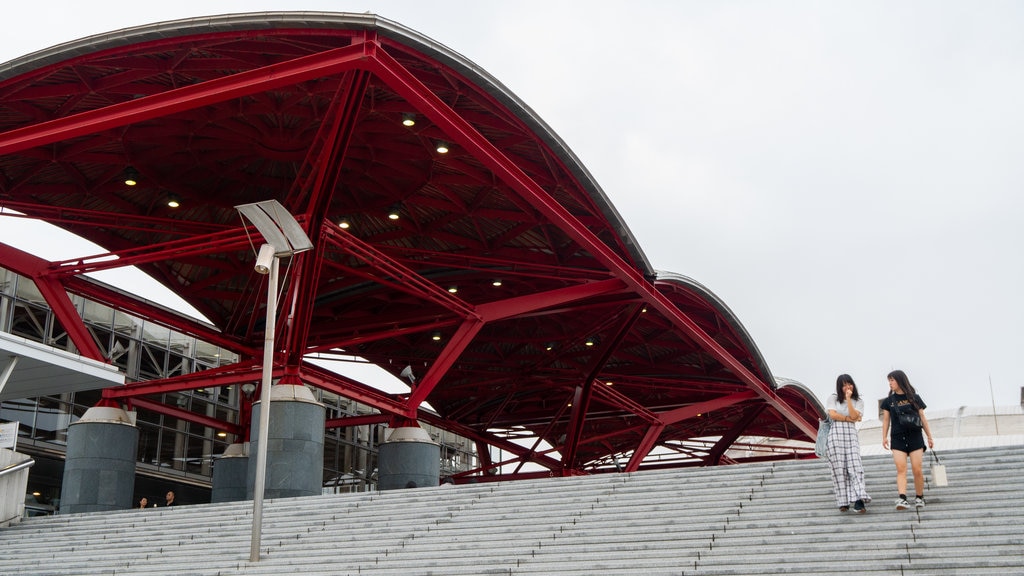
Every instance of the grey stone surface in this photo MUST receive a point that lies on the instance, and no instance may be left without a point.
(295, 449)
(408, 464)
(230, 479)
(99, 472)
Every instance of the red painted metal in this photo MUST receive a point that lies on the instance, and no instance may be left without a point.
(312, 118)
(188, 416)
(184, 99)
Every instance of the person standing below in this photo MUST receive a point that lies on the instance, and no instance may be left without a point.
(898, 409)
(846, 408)
(169, 499)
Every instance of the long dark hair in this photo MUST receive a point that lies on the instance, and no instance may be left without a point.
(842, 380)
(904, 383)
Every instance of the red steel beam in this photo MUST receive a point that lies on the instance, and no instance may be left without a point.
(77, 216)
(326, 173)
(458, 343)
(188, 97)
(189, 247)
(224, 376)
(348, 421)
(182, 414)
(54, 292)
(465, 135)
(693, 410)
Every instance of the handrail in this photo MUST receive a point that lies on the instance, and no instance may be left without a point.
(10, 469)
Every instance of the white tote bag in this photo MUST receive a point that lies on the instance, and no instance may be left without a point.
(938, 471)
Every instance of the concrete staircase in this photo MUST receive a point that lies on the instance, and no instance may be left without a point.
(775, 518)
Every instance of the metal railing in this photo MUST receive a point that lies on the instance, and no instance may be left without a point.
(12, 491)
(12, 468)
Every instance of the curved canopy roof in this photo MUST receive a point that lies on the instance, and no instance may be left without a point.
(508, 281)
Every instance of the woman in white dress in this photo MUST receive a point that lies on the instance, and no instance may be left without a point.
(846, 408)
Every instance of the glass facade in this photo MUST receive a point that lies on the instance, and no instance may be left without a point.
(171, 448)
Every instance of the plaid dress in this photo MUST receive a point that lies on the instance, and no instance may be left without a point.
(844, 457)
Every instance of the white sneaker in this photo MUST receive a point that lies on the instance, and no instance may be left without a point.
(902, 504)
(919, 502)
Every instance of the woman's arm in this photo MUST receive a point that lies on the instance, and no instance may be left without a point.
(837, 417)
(851, 407)
(927, 428)
(885, 429)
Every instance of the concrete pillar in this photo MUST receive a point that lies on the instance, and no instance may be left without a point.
(295, 450)
(99, 469)
(230, 475)
(408, 459)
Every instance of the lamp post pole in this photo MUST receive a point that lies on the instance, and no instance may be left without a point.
(264, 431)
(284, 237)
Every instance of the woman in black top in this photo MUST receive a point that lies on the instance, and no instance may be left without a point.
(906, 437)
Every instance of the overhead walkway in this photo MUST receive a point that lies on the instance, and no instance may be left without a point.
(770, 518)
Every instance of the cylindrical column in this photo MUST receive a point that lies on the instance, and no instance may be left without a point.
(99, 469)
(295, 445)
(408, 459)
(230, 475)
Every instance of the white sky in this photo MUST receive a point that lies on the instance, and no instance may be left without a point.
(847, 176)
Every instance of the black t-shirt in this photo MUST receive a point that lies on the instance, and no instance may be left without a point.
(896, 404)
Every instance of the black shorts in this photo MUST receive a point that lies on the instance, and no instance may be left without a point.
(908, 442)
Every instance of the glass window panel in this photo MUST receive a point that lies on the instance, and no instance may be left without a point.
(151, 362)
(181, 343)
(21, 410)
(228, 357)
(27, 290)
(155, 334)
(149, 441)
(125, 324)
(7, 281)
(98, 314)
(207, 353)
(53, 416)
(58, 335)
(29, 321)
(166, 456)
(195, 456)
(178, 365)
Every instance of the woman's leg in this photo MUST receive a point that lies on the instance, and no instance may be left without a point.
(916, 457)
(900, 458)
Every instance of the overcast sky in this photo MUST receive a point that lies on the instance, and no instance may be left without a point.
(846, 176)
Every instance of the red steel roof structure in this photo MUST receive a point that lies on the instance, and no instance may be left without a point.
(508, 281)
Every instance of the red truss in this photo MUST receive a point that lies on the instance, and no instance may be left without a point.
(583, 359)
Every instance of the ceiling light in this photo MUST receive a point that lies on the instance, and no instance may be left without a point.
(131, 176)
(496, 282)
(549, 346)
(393, 213)
(408, 119)
(344, 223)
(453, 289)
(590, 341)
(442, 147)
(173, 201)
(435, 336)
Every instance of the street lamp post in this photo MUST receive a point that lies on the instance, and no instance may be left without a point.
(284, 237)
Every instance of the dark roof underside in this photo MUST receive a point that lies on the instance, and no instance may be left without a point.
(307, 109)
